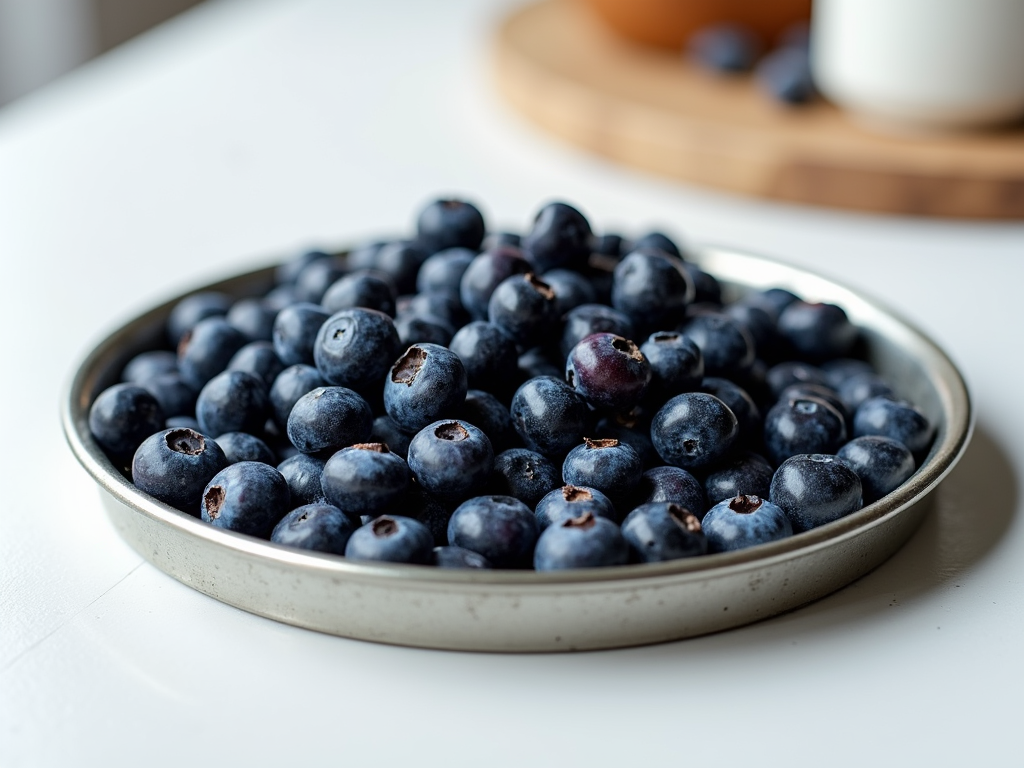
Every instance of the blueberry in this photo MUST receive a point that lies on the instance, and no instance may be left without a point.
(425, 384)
(485, 273)
(580, 542)
(175, 396)
(451, 459)
(571, 501)
(662, 531)
(393, 539)
(365, 479)
(254, 318)
(329, 418)
(291, 384)
(241, 446)
(817, 332)
(611, 244)
(676, 362)
(861, 387)
(652, 289)
(560, 237)
(745, 474)
(356, 347)
(302, 472)
(523, 306)
(175, 465)
(440, 305)
(401, 261)
(744, 521)
(549, 416)
(693, 430)
(674, 485)
(842, 369)
(537, 362)
(500, 528)
(259, 358)
(707, 289)
(363, 288)
(494, 240)
(181, 422)
(785, 75)
(820, 392)
(444, 270)
(571, 289)
(587, 319)
(882, 464)
(661, 242)
(637, 438)
(317, 527)
(609, 371)
(450, 224)
(775, 299)
(815, 489)
(315, 278)
(790, 372)
(725, 344)
(895, 419)
(248, 497)
(748, 415)
(205, 350)
(122, 416)
(419, 329)
(148, 365)
(364, 256)
(192, 309)
(611, 467)
(429, 510)
(457, 557)
(289, 271)
(487, 354)
(725, 48)
(487, 412)
(295, 330)
(523, 474)
(802, 425)
(759, 321)
(232, 401)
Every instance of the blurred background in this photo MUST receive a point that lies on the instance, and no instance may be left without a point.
(42, 39)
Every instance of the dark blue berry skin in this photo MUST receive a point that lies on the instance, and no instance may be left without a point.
(259, 358)
(302, 472)
(254, 318)
(176, 397)
(205, 350)
(401, 261)
(316, 277)
(148, 365)
(571, 289)
(759, 322)
(815, 489)
(652, 289)
(429, 510)
(277, 299)
(289, 271)
(725, 48)
(450, 224)
(316, 527)
(693, 430)
(583, 542)
(444, 270)
(609, 371)
(122, 416)
(588, 319)
(386, 431)
(487, 412)
(777, 299)
(861, 387)
(241, 446)
(636, 438)
(192, 309)
(560, 237)
(233, 401)
(549, 416)
(660, 241)
(611, 244)
(392, 539)
(820, 392)
(365, 256)
(291, 384)
(248, 497)
(419, 329)
(523, 306)
(785, 75)
(442, 305)
(487, 354)
(895, 419)
(457, 557)
(817, 332)
(725, 345)
(802, 425)
(882, 464)
(748, 415)
(295, 331)
(662, 531)
(175, 465)
(746, 474)
(363, 288)
(672, 484)
(356, 347)
(181, 422)
(844, 368)
(427, 383)
(485, 273)
(571, 501)
(611, 467)
(790, 372)
(365, 479)
(523, 474)
(500, 528)
(536, 362)
(676, 362)
(498, 239)
(328, 419)
(744, 521)
(451, 459)
(707, 290)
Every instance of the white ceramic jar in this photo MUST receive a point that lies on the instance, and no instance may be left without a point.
(933, 64)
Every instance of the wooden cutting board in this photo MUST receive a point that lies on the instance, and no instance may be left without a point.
(647, 108)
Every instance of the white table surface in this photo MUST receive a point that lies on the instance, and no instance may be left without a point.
(248, 130)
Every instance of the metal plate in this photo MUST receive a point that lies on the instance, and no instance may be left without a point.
(527, 611)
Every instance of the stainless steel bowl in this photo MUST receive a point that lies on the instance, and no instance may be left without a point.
(526, 611)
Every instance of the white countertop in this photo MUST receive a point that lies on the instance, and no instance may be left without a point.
(250, 129)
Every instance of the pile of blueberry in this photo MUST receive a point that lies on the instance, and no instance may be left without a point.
(553, 400)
